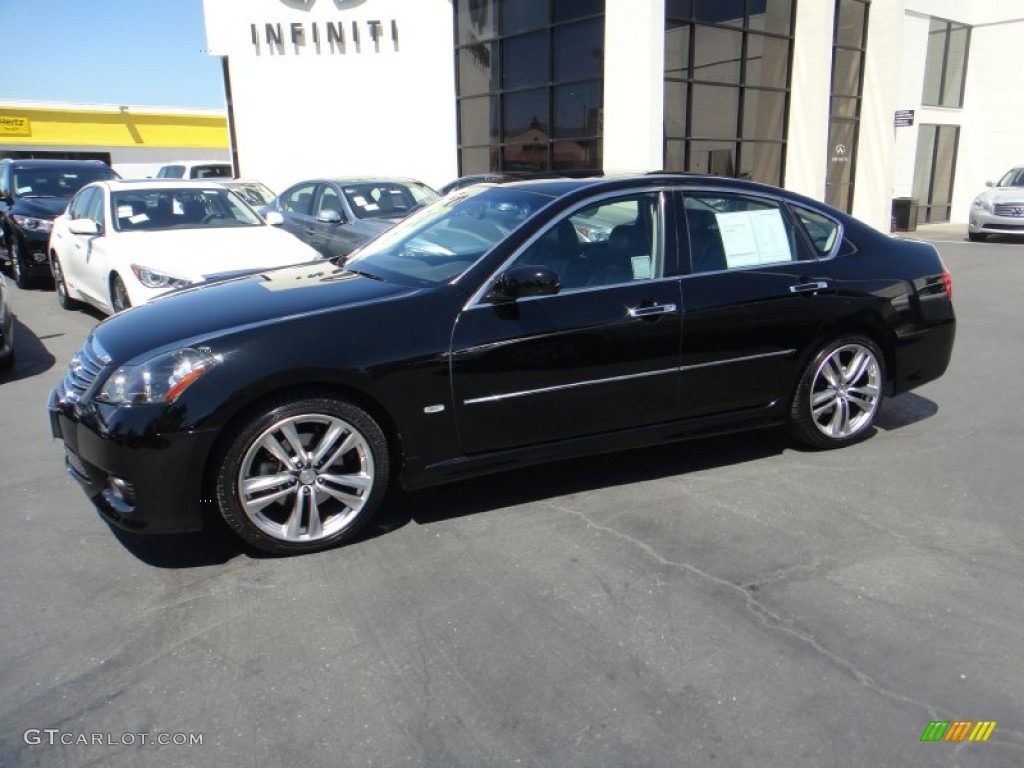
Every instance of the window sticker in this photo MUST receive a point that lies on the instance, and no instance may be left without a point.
(641, 267)
(371, 206)
(138, 218)
(360, 201)
(753, 237)
(124, 211)
(22, 190)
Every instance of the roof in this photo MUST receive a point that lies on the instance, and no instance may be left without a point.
(32, 162)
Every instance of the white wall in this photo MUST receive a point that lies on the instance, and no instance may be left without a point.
(305, 110)
(634, 94)
(807, 142)
(876, 151)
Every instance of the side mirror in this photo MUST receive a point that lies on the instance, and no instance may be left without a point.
(329, 217)
(83, 227)
(522, 281)
(273, 218)
(990, 183)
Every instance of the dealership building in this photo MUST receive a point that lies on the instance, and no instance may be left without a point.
(855, 102)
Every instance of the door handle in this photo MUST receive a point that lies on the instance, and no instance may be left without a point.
(808, 287)
(656, 309)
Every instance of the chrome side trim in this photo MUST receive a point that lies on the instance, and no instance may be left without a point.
(559, 387)
(744, 359)
(612, 379)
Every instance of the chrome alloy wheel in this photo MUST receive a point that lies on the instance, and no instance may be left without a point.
(306, 478)
(846, 391)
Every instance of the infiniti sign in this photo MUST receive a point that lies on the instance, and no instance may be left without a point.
(307, 4)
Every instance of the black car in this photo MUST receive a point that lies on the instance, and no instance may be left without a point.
(32, 194)
(336, 216)
(482, 334)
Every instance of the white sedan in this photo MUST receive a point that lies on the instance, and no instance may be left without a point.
(122, 243)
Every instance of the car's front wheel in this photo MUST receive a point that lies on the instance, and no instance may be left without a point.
(839, 393)
(63, 297)
(18, 271)
(119, 300)
(302, 474)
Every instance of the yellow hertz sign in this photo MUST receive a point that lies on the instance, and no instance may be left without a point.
(15, 126)
(958, 730)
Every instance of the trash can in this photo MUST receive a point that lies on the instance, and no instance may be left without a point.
(904, 214)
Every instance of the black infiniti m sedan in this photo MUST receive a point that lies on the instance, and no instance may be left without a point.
(483, 333)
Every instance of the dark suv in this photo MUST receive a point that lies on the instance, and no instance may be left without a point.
(32, 194)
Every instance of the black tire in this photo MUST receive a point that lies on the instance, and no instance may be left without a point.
(61, 286)
(828, 414)
(287, 525)
(21, 278)
(977, 237)
(7, 363)
(119, 300)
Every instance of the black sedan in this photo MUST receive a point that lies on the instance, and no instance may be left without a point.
(336, 216)
(481, 334)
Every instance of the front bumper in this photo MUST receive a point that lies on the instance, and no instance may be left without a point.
(140, 473)
(981, 221)
(34, 247)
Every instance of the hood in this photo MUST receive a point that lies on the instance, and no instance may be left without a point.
(205, 312)
(41, 207)
(376, 226)
(208, 253)
(1005, 194)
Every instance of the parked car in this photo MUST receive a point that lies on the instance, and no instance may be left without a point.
(32, 193)
(196, 169)
(482, 334)
(121, 243)
(255, 193)
(6, 328)
(336, 216)
(999, 210)
(503, 177)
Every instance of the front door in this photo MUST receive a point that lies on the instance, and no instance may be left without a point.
(601, 355)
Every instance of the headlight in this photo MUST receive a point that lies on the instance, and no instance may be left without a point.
(32, 224)
(158, 380)
(984, 203)
(153, 279)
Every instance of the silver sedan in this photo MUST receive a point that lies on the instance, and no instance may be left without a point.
(999, 210)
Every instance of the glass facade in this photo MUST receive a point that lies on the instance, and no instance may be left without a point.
(946, 64)
(530, 79)
(933, 171)
(849, 41)
(727, 81)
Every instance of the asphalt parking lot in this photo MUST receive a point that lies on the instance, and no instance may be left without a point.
(733, 601)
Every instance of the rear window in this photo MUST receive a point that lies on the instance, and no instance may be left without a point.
(820, 229)
(54, 181)
(211, 171)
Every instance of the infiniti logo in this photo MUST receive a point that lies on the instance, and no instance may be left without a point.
(1017, 211)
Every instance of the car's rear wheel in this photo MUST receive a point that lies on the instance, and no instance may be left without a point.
(21, 276)
(839, 393)
(119, 300)
(63, 298)
(977, 237)
(302, 474)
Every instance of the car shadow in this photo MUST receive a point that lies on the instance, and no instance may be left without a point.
(216, 544)
(31, 357)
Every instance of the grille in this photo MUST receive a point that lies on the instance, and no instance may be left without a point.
(83, 370)
(1014, 210)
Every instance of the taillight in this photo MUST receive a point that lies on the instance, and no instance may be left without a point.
(947, 281)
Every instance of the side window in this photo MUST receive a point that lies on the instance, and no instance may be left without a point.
(94, 208)
(299, 199)
(730, 231)
(80, 204)
(821, 230)
(613, 242)
(330, 200)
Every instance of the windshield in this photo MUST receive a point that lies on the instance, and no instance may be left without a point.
(387, 200)
(445, 239)
(194, 208)
(254, 193)
(1014, 178)
(57, 182)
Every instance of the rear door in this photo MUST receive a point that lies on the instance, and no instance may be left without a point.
(753, 303)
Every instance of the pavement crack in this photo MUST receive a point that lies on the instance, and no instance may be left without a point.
(763, 613)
